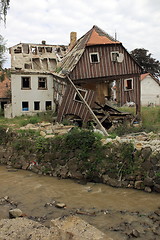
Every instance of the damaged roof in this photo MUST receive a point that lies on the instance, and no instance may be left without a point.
(95, 36)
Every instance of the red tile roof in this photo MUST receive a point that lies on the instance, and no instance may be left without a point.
(144, 75)
(96, 39)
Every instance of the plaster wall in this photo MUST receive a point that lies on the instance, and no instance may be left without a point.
(150, 92)
(30, 95)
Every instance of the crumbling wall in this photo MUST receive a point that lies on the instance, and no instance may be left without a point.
(36, 56)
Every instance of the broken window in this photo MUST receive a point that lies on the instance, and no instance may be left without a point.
(27, 66)
(128, 84)
(48, 105)
(42, 83)
(26, 83)
(33, 50)
(26, 48)
(82, 92)
(36, 106)
(18, 50)
(94, 57)
(41, 50)
(114, 56)
(25, 106)
(49, 49)
(36, 63)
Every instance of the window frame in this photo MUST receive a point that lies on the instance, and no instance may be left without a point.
(42, 88)
(35, 102)
(94, 53)
(113, 59)
(76, 95)
(126, 84)
(22, 83)
(25, 109)
(48, 106)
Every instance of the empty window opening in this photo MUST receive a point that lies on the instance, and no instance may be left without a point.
(49, 49)
(114, 56)
(27, 66)
(42, 83)
(45, 63)
(48, 105)
(41, 50)
(36, 63)
(52, 63)
(94, 57)
(128, 84)
(26, 82)
(77, 97)
(26, 48)
(25, 106)
(33, 50)
(18, 50)
(36, 106)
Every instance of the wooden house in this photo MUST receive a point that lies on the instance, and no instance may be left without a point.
(94, 63)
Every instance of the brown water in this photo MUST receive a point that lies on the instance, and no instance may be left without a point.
(32, 192)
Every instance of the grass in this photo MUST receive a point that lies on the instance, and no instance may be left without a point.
(150, 117)
(24, 120)
(150, 120)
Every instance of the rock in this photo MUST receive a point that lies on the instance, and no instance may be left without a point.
(49, 136)
(148, 189)
(139, 185)
(75, 228)
(135, 233)
(156, 188)
(60, 205)
(14, 213)
(148, 182)
(42, 133)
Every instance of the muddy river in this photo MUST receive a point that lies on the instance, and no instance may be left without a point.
(118, 212)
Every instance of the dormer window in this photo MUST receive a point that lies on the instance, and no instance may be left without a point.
(94, 57)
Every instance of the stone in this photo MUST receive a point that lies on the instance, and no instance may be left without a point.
(75, 228)
(14, 213)
(156, 188)
(148, 182)
(148, 189)
(42, 133)
(60, 205)
(49, 136)
(139, 185)
(135, 233)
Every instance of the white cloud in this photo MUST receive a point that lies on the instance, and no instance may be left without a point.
(136, 22)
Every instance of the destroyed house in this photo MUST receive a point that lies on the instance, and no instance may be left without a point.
(31, 78)
(95, 63)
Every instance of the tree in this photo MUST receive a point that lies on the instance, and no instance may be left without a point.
(4, 5)
(145, 60)
(2, 51)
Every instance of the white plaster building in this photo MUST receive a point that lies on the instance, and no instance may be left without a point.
(150, 90)
(32, 83)
(31, 93)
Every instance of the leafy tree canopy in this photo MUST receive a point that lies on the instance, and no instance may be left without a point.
(4, 5)
(146, 61)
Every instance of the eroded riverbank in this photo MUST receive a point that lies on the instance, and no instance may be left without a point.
(114, 211)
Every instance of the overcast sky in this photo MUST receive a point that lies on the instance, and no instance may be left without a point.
(136, 22)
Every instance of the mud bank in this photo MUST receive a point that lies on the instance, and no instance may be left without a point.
(131, 162)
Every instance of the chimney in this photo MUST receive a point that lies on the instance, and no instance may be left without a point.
(73, 39)
(43, 42)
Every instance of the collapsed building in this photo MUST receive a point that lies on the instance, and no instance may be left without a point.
(76, 81)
